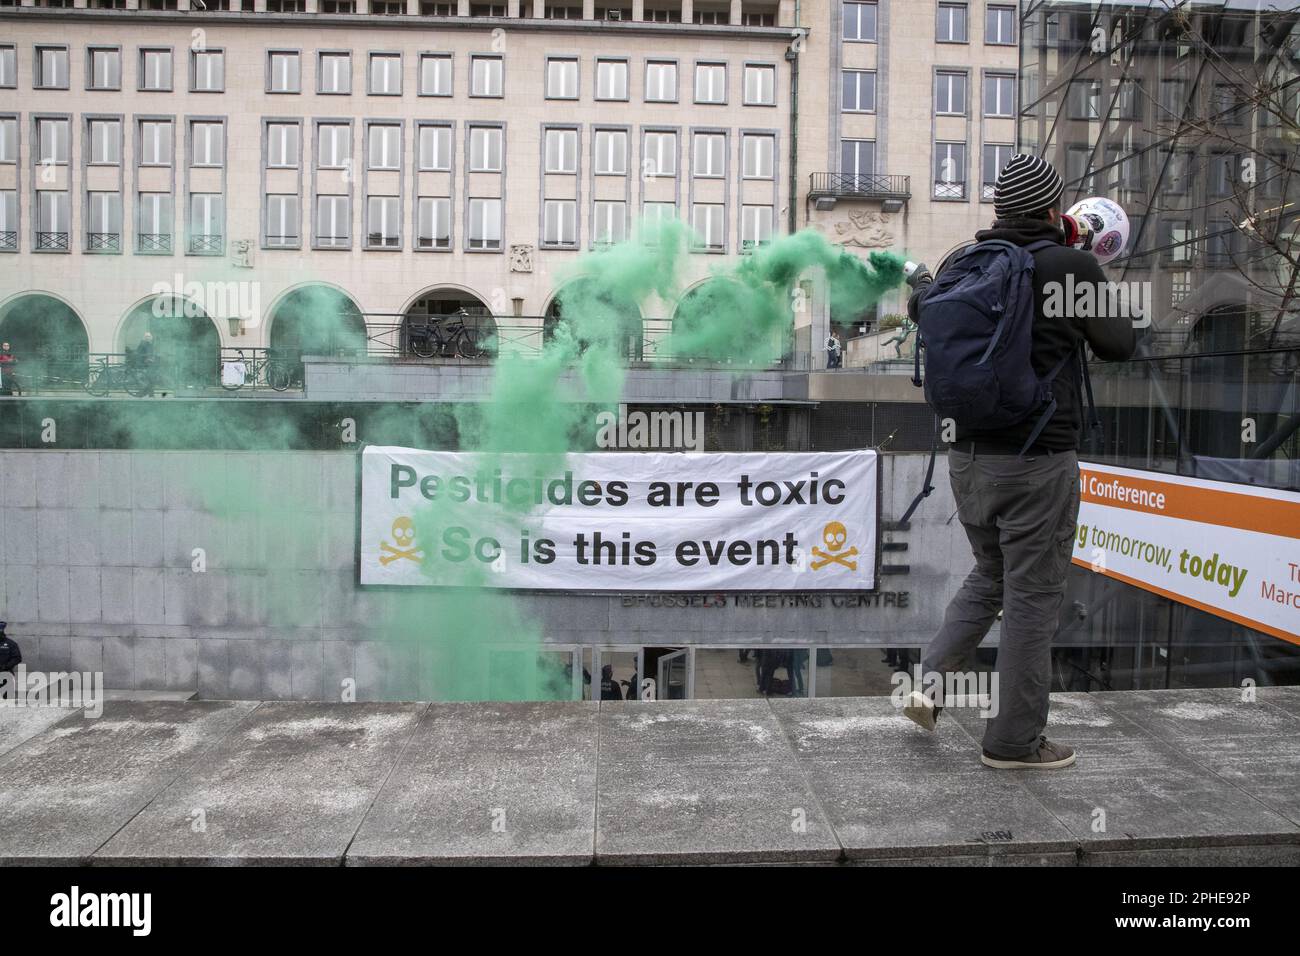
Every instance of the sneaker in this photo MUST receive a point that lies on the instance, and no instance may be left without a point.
(921, 710)
(1047, 756)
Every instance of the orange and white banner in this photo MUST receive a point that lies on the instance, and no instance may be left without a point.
(1230, 550)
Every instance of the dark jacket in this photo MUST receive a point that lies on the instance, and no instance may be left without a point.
(1112, 338)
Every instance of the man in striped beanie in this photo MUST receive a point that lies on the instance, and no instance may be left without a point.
(1020, 511)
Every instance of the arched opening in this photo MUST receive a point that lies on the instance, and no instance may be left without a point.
(187, 345)
(721, 320)
(429, 325)
(596, 313)
(315, 319)
(47, 339)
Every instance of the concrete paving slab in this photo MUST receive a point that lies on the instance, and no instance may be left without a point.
(291, 784)
(68, 789)
(1198, 713)
(881, 812)
(1165, 800)
(697, 782)
(872, 729)
(20, 724)
(487, 783)
(1267, 768)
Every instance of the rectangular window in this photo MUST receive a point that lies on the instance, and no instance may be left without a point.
(611, 79)
(207, 144)
(760, 85)
(52, 67)
(661, 154)
(8, 67)
(1223, 178)
(1000, 25)
(435, 148)
(951, 27)
(486, 77)
(209, 68)
(1085, 99)
(8, 220)
(561, 151)
(282, 145)
(282, 221)
(385, 74)
(334, 147)
(656, 212)
(857, 161)
(333, 222)
(283, 72)
(383, 222)
(1078, 168)
(105, 69)
(561, 79)
(950, 94)
(999, 95)
(1228, 106)
(1173, 98)
(434, 228)
(560, 223)
(52, 141)
(858, 91)
(485, 149)
(485, 224)
(1128, 100)
(660, 82)
(435, 75)
(155, 142)
(206, 222)
(995, 157)
(710, 83)
(610, 223)
(710, 154)
(154, 222)
(611, 152)
(155, 69)
(755, 225)
(706, 220)
(52, 219)
(385, 146)
(758, 155)
(334, 73)
(949, 170)
(103, 222)
(9, 140)
(860, 21)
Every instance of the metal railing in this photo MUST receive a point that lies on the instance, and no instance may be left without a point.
(52, 240)
(9, 240)
(103, 242)
(153, 242)
(207, 244)
(194, 371)
(861, 185)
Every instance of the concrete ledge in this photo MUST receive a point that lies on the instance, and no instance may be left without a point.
(1169, 778)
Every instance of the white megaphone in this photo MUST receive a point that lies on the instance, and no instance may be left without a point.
(1097, 225)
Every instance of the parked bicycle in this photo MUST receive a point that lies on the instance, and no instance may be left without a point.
(107, 375)
(446, 336)
(268, 370)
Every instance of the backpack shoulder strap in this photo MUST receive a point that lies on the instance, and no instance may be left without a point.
(1039, 245)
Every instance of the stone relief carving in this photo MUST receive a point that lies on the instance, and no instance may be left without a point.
(241, 253)
(521, 258)
(865, 229)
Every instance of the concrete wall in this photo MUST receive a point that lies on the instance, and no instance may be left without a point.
(96, 573)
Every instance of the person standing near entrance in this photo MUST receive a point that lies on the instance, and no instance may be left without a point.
(1017, 486)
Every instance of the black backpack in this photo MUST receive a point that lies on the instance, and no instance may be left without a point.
(10, 655)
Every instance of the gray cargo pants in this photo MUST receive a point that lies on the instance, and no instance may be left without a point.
(1019, 514)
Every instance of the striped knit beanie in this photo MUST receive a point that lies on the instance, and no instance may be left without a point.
(1025, 185)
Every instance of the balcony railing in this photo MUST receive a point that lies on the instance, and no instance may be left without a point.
(207, 245)
(52, 240)
(104, 242)
(154, 242)
(861, 186)
(9, 241)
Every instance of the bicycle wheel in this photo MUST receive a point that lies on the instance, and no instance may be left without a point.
(470, 343)
(99, 381)
(425, 346)
(137, 382)
(277, 376)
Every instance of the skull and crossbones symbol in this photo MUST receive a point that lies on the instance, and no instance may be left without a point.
(836, 536)
(404, 538)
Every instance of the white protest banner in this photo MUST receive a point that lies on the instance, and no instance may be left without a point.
(1230, 550)
(654, 521)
